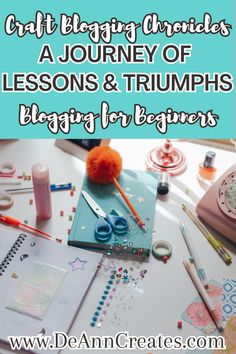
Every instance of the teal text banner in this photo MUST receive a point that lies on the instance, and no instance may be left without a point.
(141, 94)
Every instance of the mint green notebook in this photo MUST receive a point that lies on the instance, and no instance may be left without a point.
(141, 189)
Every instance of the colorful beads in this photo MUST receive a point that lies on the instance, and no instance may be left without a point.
(179, 324)
(165, 259)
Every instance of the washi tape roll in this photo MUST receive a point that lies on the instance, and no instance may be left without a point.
(7, 168)
(161, 249)
(6, 201)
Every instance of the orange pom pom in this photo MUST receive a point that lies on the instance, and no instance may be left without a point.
(103, 164)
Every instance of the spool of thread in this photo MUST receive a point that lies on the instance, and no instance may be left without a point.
(164, 183)
(42, 191)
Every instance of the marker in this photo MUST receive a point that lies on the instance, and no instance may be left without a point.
(61, 187)
(193, 254)
(205, 297)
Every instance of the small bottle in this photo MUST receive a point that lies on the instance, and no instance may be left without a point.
(42, 191)
(207, 171)
(164, 183)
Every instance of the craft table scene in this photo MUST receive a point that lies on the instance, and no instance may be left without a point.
(120, 235)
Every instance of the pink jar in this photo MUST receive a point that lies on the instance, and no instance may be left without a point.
(42, 191)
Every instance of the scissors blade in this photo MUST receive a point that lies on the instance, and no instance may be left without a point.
(93, 205)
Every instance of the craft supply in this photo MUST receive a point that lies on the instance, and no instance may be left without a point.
(33, 283)
(142, 187)
(7, 169)
(161, 249)
(60, 187)
(217, 245)
(104, 166)
(193, 254)
(217, 207)
(52, 279)
(165, 259)
(229, 298)
(179, 324)
(42, 192)
(207, 171)
(106, 223)
(197, 314)
(9, 220)
(9, 181)
(166, 158)
(100, 311)
(164, 183)
(6, 201)
(202, 291)
(53, 187)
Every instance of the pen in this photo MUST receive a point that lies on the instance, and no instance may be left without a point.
(217, 245)
(17, 223)
(193, 253)
(204, 295)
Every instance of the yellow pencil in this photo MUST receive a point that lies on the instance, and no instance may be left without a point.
(217, 245)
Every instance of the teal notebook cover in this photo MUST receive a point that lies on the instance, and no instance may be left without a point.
(141, 189)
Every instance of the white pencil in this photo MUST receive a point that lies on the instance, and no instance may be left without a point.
(5, 180)
(194, 255)
(205, 297)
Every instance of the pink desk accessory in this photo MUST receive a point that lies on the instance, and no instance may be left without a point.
(218, 205)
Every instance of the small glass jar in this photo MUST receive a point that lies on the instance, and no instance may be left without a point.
(207, 171)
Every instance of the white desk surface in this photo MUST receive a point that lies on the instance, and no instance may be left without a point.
(157, 302)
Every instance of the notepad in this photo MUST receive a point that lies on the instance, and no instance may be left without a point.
(42, 284)
(141, 188)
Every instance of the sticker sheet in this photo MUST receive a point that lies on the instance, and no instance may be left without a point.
(37, 290)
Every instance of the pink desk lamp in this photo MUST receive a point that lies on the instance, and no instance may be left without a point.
(166, 158)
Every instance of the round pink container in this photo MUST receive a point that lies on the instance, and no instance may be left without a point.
(42, 191)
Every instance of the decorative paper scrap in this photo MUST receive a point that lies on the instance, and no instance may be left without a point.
(230, 337)
(229, 298)
(37, 290)
(197, 314)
